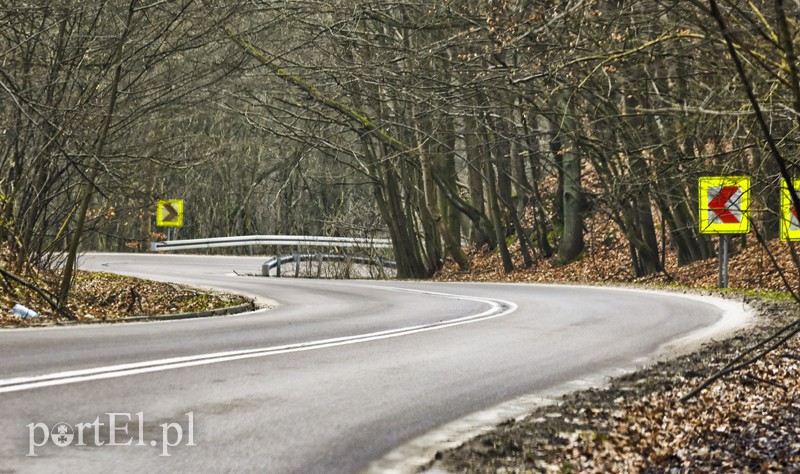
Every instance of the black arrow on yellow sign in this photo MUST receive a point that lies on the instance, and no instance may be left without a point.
(170, 213)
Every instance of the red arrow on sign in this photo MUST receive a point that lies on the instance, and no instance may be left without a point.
(719, 204)
(172, 213)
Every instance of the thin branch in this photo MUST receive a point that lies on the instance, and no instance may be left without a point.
(41, 292)
(775, 264)
(788, 331)
(762, 122)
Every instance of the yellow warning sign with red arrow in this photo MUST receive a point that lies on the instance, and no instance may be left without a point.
(724, 204)
(790, 223)
(169, 213)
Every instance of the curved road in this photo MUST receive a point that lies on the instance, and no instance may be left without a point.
(333, 379)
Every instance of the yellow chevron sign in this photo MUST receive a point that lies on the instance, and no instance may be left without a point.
(169, 213)
(724, 204)
(790, 223)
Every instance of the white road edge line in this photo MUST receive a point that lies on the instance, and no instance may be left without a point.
(497, 309)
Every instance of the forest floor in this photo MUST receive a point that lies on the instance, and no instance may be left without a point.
(747, 421)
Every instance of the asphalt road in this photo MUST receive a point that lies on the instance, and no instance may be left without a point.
(334, 378)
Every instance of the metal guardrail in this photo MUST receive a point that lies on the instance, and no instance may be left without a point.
(296, 258)
(279, 240)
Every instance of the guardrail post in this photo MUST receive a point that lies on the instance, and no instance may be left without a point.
(296, 264)
(278, 267)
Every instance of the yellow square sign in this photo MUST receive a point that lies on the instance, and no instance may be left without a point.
(169, 213)
(790, 223)
(724, 205)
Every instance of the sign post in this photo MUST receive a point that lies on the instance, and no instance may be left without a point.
(724, 210)
(790, 223)
(169, 214)
(722, 279)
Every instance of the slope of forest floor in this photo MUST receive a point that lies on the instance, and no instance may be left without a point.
(748, 421)
(607, 261)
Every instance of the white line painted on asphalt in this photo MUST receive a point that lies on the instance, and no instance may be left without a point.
(497, 308)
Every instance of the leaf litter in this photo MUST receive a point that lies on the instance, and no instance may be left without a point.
(98, 296)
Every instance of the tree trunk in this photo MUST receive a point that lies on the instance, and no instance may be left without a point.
(572, 243)
(480, 235)
(499, 226)
(87, 189)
